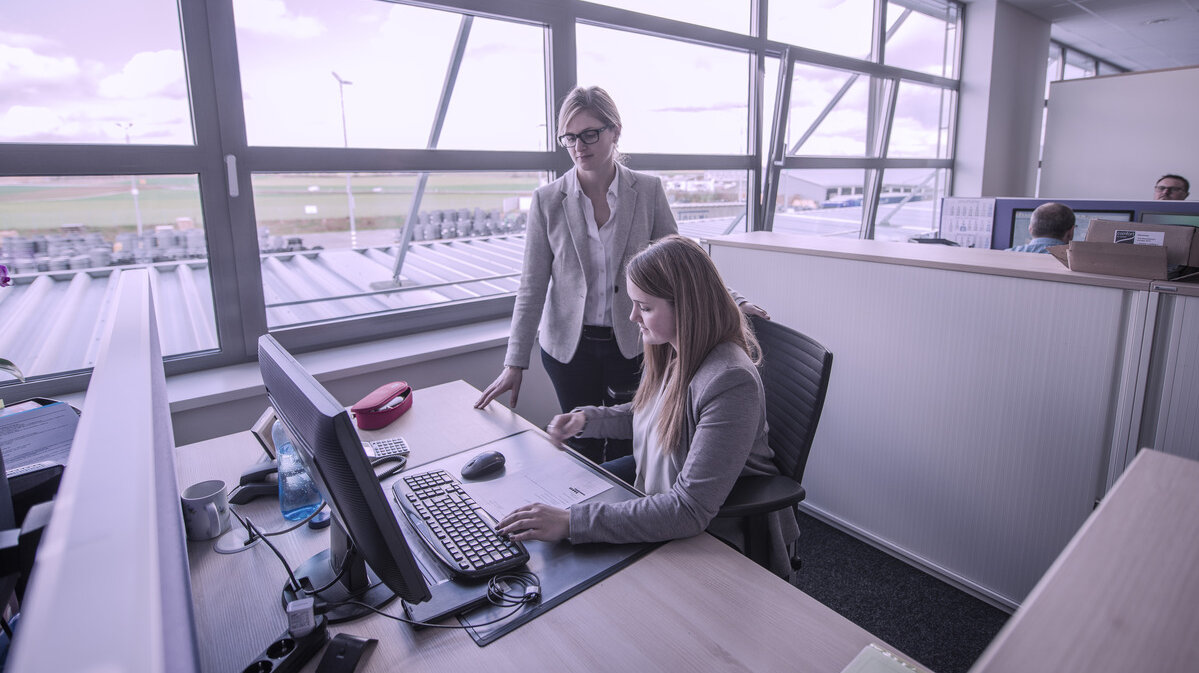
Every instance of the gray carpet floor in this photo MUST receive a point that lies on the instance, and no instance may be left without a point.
(938, 625)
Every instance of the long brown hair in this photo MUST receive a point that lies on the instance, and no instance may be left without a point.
(678, 270)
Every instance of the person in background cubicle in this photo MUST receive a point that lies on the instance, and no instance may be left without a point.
(582, 227)
(698, 420)
(1171, 188)
(1051, 224)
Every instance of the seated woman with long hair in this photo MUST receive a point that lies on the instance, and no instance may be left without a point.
(698, 420)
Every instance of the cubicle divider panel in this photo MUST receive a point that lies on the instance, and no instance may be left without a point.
(969, 421)
(111, 585)
(1176, 373)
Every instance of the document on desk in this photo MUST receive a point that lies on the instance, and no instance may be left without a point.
(31, 432)
(560, 483)
(536, 470)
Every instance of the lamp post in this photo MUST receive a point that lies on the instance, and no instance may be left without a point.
(137, 210)
(345, 139)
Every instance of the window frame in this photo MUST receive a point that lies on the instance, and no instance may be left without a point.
(224, 162)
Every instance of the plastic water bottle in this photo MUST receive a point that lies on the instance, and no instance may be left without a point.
(298, 497)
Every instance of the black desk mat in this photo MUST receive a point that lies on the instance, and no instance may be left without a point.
(563, 569)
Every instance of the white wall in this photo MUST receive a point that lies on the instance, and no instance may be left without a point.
(969, 425)
(1001, 99)
(1112, 137)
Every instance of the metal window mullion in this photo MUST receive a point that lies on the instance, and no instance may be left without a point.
(214, 85)
(887, 91)
(841, 92)
(443, 105)
(561, 57)
(774, 167)
(879, 27)
(758, 23)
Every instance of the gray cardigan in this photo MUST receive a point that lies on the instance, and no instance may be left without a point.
(724, 436)
(556, 248)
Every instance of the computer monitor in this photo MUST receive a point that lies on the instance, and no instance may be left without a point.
(368, 559)
(1191, 220)
(1082, 221)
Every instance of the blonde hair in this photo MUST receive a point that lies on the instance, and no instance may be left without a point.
(596, 101)
(677, 269)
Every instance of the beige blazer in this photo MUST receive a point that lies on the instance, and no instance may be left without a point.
(553, 284)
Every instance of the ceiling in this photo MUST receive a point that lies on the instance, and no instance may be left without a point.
(1134, 34)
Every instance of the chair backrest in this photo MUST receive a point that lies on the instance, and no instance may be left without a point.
(795, 373)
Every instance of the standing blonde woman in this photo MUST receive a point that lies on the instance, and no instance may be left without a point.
(697, 423)
(582, 229)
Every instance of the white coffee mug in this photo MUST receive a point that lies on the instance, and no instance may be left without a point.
(205, 510)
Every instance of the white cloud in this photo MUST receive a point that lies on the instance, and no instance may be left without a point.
(147, 73)
(25, 40)
(24, 121)
(272, 18)
(23, 64)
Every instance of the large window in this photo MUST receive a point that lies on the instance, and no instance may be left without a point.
(466, 240)
(336, 172)
(867, 146)
(67, 80)
(701, 107)
(365, 73)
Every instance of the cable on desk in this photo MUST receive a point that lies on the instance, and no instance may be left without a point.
(401, 460)
(340, 574)
(295, 584)
(499, 593)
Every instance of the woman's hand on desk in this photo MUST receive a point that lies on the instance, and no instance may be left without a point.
(509, 379)
(536, 522)
(565, 426)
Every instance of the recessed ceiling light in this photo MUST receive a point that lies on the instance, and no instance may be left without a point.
(1154, 22)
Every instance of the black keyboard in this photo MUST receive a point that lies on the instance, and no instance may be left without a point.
(461, 533)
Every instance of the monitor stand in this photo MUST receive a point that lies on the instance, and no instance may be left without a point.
(358, 583)
(350, 580)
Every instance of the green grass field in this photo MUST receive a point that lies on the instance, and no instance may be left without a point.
(31, 206)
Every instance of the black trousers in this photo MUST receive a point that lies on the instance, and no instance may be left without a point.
(598, 375)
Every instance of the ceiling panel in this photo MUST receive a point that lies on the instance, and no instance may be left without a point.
(1134, 34)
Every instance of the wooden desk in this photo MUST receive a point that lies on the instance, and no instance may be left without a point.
(1123, 595)
(692, 604)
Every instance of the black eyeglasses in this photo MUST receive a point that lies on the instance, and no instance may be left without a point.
(1156, 188)
(588, 136)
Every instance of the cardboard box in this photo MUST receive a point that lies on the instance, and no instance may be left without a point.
(1133, 249)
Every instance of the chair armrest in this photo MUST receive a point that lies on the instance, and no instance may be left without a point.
(760, 495)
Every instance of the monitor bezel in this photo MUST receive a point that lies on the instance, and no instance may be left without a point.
(368, 559)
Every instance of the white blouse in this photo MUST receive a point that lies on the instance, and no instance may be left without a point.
(656, 470)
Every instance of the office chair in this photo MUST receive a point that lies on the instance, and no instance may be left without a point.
(795, 374)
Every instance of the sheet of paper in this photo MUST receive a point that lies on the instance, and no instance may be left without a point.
(560, 483)
(968, 221)
(1140, 237)
(36, 433)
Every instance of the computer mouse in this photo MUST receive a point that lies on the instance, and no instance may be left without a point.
(482, 465)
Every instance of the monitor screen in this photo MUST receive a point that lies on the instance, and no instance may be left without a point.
(1170, 218)
(368, 559)
(1082, 221)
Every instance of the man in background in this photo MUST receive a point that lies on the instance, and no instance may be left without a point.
(1051, 224)
(1171, 188)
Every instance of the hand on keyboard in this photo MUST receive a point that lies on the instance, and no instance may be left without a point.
(454, 527)
(536, 522)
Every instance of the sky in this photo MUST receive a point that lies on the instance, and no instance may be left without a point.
(118, 67)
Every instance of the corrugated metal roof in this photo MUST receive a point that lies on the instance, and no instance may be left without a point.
(53, 321)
